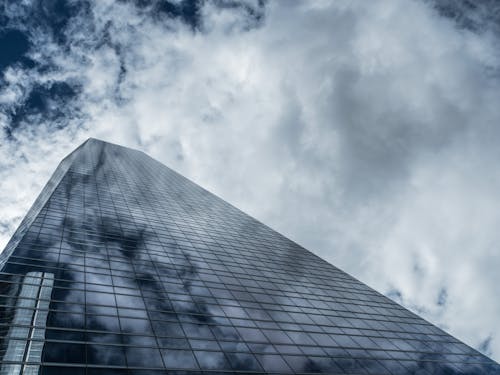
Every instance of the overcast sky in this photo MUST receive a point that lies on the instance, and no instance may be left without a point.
(367, 131)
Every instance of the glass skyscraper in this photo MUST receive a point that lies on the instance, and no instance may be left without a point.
(122, 266)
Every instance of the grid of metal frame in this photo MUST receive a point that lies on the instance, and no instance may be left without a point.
(151, 274)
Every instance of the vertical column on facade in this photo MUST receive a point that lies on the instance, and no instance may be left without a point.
(24, 351)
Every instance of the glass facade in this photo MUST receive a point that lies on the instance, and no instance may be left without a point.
(122, 266)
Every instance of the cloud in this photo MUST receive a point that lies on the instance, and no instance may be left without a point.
(366, 132)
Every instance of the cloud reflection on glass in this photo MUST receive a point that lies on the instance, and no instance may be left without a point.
(152, 272)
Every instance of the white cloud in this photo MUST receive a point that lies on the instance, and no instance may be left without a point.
(365, 131)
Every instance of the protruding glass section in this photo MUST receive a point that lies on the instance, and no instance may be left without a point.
(27, 333)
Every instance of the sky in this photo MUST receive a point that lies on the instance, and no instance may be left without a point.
(366, 131)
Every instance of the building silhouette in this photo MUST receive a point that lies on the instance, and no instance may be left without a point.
(122, 266)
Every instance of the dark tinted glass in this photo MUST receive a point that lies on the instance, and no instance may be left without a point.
(123, 266)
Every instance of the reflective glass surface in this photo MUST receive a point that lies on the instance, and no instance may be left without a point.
(122, 266)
